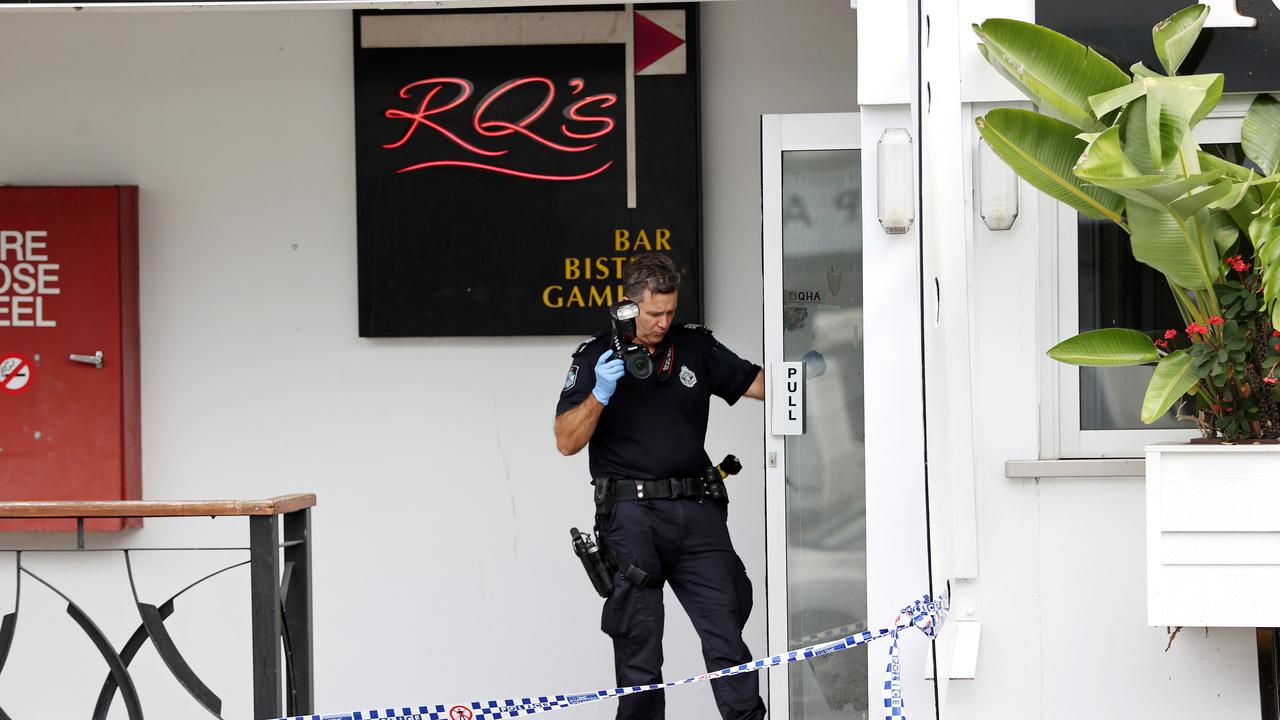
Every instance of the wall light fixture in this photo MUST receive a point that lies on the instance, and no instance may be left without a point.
(997, 189)
(895, 162)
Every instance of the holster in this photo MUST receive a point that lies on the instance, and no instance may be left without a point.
(605, 501)
(606, 498)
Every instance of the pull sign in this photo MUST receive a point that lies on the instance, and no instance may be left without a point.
(788, 398)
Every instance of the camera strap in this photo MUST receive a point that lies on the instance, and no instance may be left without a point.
(668, 361)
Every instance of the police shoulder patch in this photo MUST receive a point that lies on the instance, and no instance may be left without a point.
(699, 328)
(571, 379)
(587, 342)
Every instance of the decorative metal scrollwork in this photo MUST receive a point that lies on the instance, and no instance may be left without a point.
(152, 627)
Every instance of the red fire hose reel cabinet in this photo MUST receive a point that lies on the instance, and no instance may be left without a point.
(69, 380)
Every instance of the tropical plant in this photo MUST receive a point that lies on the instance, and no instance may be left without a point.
(1119, 146)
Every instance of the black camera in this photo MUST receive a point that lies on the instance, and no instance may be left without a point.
(634, 355)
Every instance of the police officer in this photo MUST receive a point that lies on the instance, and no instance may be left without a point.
(655, 514)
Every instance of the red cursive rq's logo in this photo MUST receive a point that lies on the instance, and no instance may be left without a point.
(441, 96)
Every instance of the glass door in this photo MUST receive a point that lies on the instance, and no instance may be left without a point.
(827, 522)
(822, 471)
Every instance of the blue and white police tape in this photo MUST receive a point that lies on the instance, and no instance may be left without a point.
(925, 615)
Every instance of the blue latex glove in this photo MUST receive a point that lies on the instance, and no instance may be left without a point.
(607, 374)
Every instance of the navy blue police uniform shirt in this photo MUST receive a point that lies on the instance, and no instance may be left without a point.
(655, 428)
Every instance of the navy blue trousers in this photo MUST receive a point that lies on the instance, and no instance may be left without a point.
(685, 543)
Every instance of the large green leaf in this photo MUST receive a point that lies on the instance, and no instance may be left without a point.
(1133, 135)
(1188, 206)
(1138, 70)
(1159, 240)
(1053, 70)
(1223, 230)
(1205, 229)
(1042, 150)
(1103, 103)
(1109, 347)
(1240, 206)
(1264, 233)
(1175, 35)
(1174, 106)
(1212, 85)
(1260, 134)
(1233, 197)
(1242, 212)
(1172, 379)
(1226, 167)
(1106, 163)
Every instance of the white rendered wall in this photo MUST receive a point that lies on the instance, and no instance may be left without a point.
(1061, 588)
(1060, 591)
(442, 563)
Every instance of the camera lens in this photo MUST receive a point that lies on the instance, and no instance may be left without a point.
(639, 364)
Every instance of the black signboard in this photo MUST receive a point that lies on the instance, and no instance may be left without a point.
(1121, 31)
(497, 191)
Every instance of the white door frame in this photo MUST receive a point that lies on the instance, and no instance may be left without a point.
(897, 549)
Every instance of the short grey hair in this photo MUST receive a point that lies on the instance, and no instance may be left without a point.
(650, 271)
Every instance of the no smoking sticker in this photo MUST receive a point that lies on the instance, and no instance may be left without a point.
(15, 373)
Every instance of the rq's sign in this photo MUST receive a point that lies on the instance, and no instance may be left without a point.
(510, 163)
(1241, 37)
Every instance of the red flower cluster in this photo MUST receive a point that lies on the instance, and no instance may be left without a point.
(1215, 320)
(1171, 334)
(1162, 344)
(1270, 380)
(1238, 264)
(1196, 328)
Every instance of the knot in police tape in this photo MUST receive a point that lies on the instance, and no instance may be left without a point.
(924, 614)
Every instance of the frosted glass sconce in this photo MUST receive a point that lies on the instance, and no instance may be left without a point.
(997, 189)
(895, 186)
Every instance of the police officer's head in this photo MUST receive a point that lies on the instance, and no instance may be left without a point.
(653, 282)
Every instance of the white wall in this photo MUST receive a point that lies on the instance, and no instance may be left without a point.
(1060, 589)
(1061, 586)
(443, 568)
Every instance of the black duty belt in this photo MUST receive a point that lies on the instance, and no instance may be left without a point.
(666, 488)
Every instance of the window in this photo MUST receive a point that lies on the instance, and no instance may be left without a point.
(1100, 285)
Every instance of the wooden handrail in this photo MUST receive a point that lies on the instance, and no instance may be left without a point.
(147, 508)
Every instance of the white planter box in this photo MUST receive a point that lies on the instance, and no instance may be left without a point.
(1213, 535)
